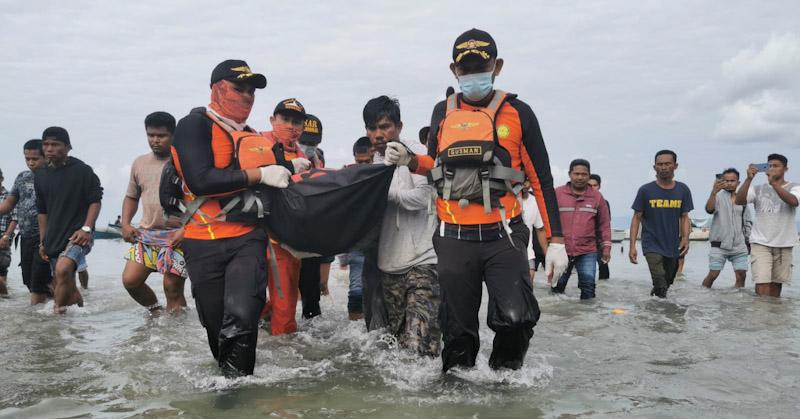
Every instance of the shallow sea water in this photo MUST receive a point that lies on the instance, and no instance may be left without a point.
(700, 353)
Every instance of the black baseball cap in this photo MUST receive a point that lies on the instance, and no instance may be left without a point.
(237, 71)
(474, 42)
(312, 131)
(290, 105)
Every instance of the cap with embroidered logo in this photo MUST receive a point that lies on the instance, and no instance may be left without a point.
(312, 131)
(474, 43)
(290, 105)
(237, 71)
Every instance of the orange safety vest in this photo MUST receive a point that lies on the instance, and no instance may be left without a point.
(231, 149)
(469, 137)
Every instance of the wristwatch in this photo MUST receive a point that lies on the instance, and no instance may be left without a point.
(86, 229)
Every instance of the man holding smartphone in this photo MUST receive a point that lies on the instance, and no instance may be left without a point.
(774, 230)
(729, 229)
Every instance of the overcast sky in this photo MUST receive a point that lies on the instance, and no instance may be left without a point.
(610, 81)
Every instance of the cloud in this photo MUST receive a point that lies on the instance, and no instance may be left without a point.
(761, 94)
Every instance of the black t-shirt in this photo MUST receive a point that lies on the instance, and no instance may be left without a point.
(64, 193)
(661, 214)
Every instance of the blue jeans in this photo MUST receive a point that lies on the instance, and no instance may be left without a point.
(586, 265)
(355, 294)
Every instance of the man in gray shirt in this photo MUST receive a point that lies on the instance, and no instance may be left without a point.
(730, 229)
(406, 258)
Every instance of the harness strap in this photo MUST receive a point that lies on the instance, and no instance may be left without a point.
(448, 185)
(273, 264)
(499, 171)
(506, 225)
(436, 174)
(452, 102)
(486, 190)
(191, 208)
(496, 103)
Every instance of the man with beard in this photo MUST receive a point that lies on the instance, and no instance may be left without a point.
(225, 259)
(662, 209)
(730, 229)
(155, 244)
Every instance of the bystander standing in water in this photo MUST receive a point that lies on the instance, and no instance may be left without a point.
(354, 260)
(586, 226)
(155, 243)
(774, 232)
(36, 273)
(8, 223)
(662, 209)
(595, 182)
(730, 229)
(68, 196)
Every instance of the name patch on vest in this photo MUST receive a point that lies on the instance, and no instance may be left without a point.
(464, 151)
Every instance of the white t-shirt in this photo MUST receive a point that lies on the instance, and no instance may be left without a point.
(774, 224)
(533, 219)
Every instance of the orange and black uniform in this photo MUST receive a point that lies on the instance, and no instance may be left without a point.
(283, 305)
(473, 247)
(226, 261)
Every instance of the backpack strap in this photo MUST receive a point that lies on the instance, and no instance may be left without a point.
(452, 103)
(496, 103)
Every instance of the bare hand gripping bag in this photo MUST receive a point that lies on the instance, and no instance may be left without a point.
(328, 212)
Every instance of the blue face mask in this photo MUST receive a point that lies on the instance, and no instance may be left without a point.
(476, 86)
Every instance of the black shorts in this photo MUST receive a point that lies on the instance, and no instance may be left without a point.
(36, 274)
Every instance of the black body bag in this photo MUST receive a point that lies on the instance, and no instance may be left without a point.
(329, 211)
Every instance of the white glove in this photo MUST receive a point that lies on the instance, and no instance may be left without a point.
(396, 153)
(275, 175)
(301, 164)
(556, 261)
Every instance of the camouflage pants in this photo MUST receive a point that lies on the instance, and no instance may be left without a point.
(412, 302)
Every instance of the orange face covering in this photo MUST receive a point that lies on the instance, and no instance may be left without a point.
(286, 135)
(227, 102)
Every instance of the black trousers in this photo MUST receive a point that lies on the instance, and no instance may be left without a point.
(229, 285)
(36, 274)
(309, 286)
(513, 310)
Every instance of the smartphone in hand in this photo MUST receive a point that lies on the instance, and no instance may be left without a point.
(761, 167)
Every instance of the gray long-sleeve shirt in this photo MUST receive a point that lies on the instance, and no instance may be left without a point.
(408, 224)
(730, 225)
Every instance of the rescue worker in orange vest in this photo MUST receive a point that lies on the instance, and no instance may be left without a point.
(483, 239)
(225, 259)
(288, 121)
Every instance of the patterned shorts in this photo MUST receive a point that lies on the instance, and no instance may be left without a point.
(154, 254)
